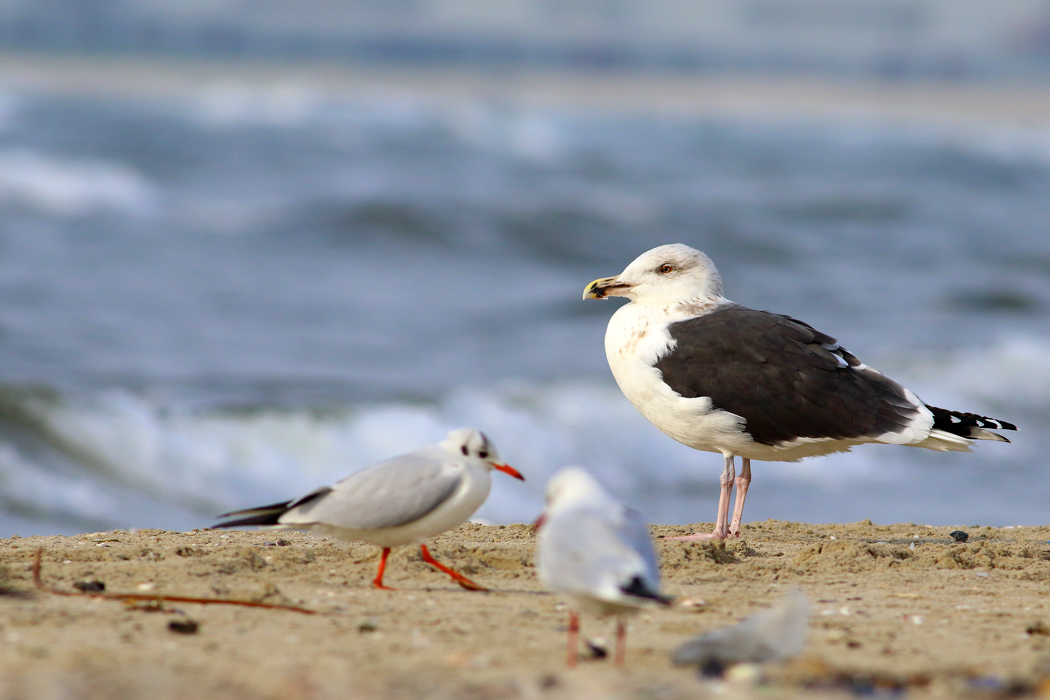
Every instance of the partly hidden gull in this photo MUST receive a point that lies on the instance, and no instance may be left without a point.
(771, 635)
(597, 552)
(400, 501)
(721, 377)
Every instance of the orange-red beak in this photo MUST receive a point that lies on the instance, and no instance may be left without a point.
(539, 521)
(507, 469)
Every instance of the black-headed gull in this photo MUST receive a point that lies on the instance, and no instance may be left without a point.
(597, 552)
(721, 377)
(402, 500)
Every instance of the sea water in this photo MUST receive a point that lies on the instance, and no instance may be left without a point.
(228, 299)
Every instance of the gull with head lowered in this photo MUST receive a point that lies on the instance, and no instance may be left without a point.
(403, 500)
(721, 377)
(597, 552)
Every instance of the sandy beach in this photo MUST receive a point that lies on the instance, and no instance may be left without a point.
(894, 607)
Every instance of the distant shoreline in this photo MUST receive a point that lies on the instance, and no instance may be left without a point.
(677, 95)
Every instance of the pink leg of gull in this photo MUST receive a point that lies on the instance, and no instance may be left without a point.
(621, 642)
(722, 521)
(742, 482)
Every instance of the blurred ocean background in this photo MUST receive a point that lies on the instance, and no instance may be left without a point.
(240, 292)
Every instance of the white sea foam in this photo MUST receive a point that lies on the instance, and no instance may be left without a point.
(1020, 145)
(219, 460)
(70, 188)
(24, 482)
(231, 105)
(208, 461)
(1003, 142)
(1015, 371)
(527, 134)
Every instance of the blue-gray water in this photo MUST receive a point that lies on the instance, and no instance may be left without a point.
(212, 303)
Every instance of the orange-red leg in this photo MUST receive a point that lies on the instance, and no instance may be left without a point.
(378, 582)
(574, 638)
(621, 641)
(458, 578)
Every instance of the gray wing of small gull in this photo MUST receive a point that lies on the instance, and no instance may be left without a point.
(634, 532)
(586, 549)
(395, 492)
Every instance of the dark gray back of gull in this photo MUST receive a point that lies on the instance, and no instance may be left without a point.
(783, 377)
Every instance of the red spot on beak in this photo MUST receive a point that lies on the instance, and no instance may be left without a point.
(540, 521)
(507, 469)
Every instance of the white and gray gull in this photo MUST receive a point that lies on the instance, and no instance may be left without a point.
(402, 500)
(721, 377)
(597, 552)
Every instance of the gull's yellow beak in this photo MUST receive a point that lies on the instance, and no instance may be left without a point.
(606, 287)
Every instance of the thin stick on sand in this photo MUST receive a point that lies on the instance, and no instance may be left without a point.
(39, 583)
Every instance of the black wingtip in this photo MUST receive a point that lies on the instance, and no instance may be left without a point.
(969, 425)
(271, 514)
(270, 518)
(262, 515)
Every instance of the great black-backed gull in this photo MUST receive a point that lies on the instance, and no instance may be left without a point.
(721, 377)
(403, 500)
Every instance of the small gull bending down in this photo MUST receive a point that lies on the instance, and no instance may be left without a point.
(597, 552)
(774, 634)
(721, 377)
(403, 500)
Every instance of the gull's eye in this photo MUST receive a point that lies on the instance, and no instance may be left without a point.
(463, 449)
(665, 268)
(483, 454)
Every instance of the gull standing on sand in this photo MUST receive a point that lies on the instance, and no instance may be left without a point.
(596, 551)
(403, 500)
(721, 377)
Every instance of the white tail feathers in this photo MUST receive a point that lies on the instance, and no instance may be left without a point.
(942, 441)
(982, 434)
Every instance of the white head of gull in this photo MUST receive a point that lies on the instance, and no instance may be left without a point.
(670, 274)
(721, 377)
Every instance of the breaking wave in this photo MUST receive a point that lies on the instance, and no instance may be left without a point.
(119, 459)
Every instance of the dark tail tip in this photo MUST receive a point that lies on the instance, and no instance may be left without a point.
(268, 519)
(263, 515)
(638, 589)
(967, 425)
